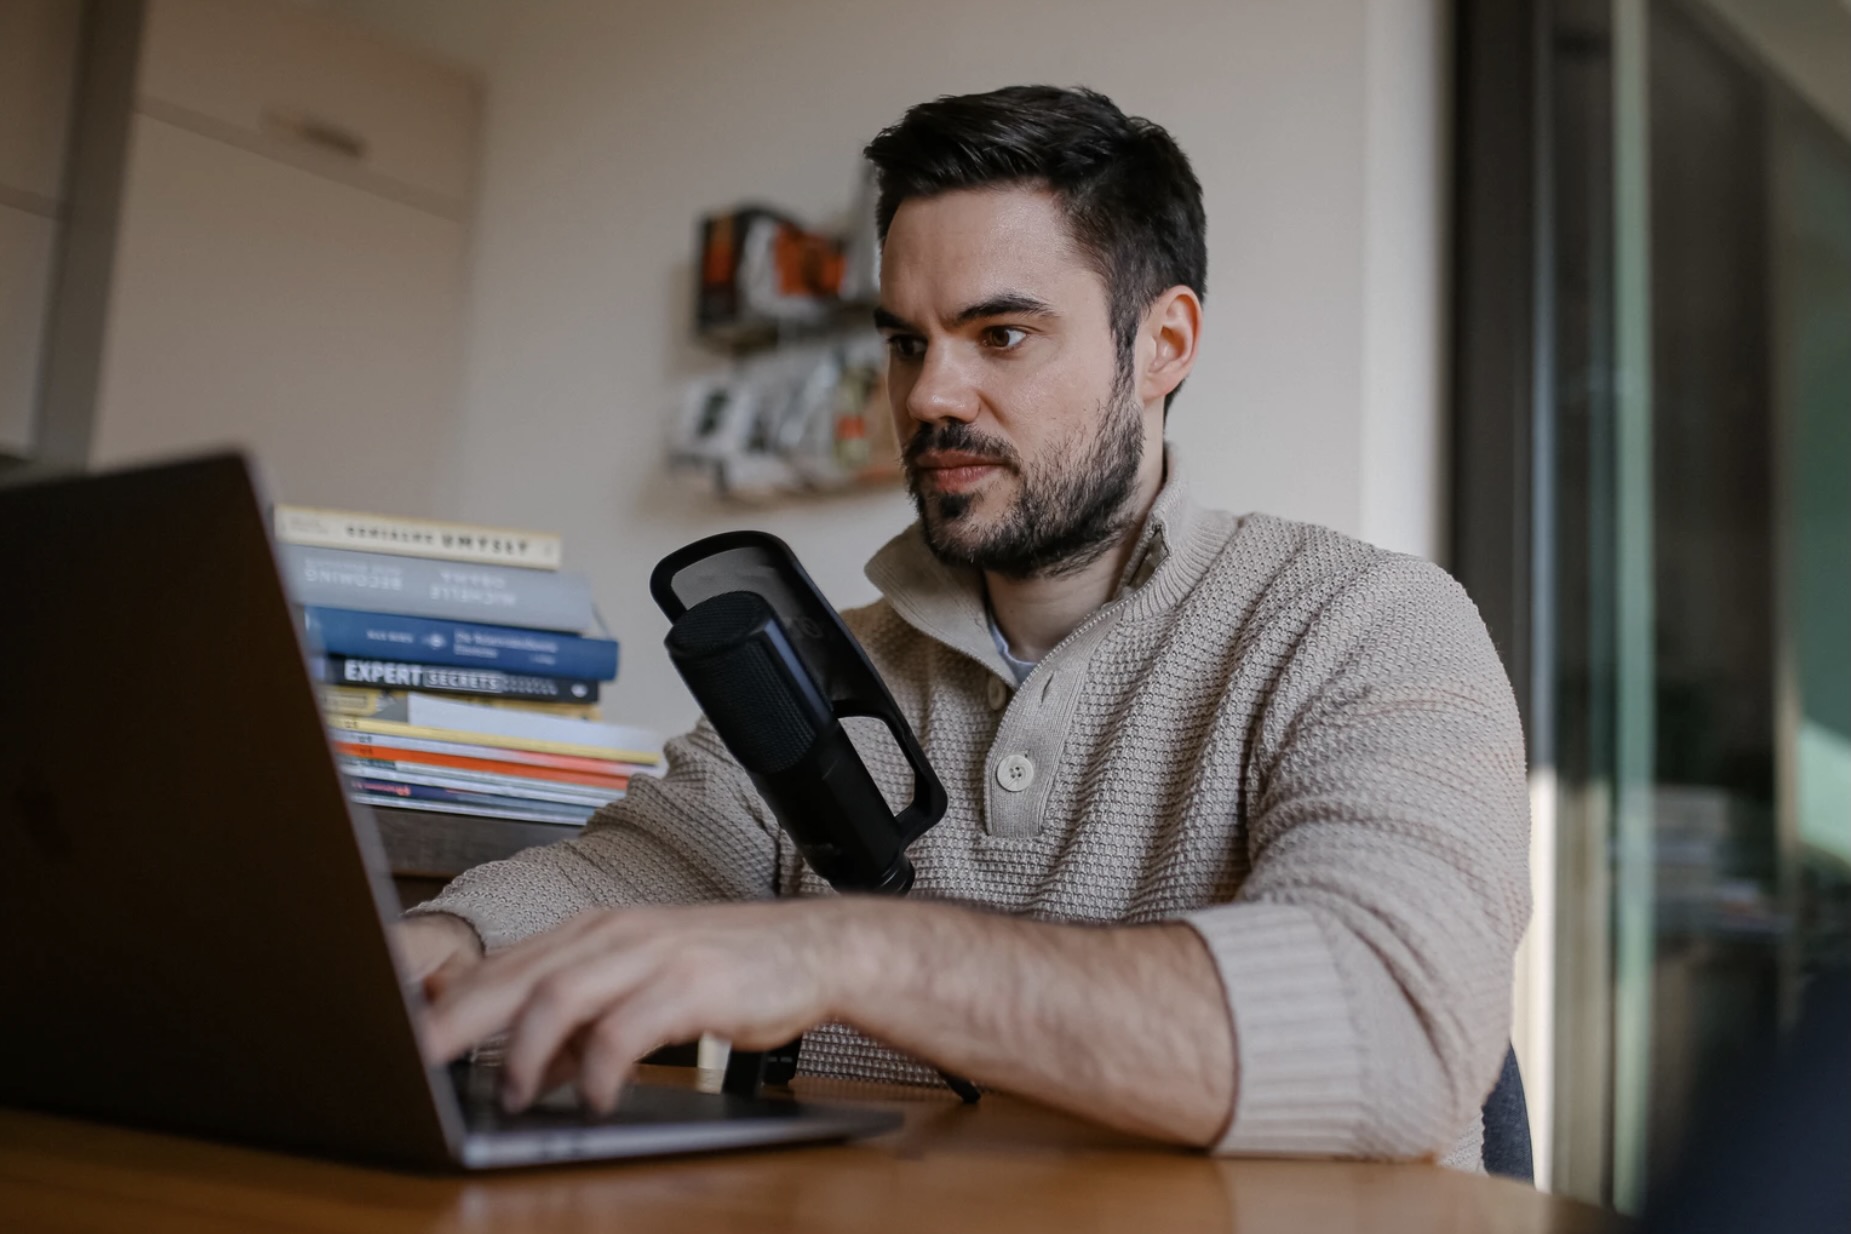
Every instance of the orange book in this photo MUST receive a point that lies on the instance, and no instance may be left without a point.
(497, 754)
(388, 754)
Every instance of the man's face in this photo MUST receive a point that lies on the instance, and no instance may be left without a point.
(1021, 438)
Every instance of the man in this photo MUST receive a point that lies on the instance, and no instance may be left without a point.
(1235, 854)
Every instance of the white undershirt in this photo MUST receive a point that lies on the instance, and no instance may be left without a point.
(1021, 668)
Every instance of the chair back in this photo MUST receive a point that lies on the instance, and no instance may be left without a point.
(1507, 1125)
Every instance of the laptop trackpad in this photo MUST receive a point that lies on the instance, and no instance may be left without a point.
(478, 1091)
(650, 1120)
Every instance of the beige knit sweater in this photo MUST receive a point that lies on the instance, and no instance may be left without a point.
(1303, 746)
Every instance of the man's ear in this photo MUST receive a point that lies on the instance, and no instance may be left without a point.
(1172, 328)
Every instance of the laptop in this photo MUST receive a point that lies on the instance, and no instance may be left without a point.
(191, 909)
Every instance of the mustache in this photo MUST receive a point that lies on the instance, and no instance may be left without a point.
(956, 435)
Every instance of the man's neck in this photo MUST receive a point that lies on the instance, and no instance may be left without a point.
(1035, 614)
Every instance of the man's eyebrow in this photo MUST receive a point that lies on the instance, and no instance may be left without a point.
(885, 320)
(1006, 304)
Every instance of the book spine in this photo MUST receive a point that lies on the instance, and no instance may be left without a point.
(494, 767)
(444, 590)
(390, 728)
(485, 785)
(421, 640)
(434, 712)
(431, 792)
(416, 537)
(527, 758)
(512, 814)
(371, 704)
(441, 679)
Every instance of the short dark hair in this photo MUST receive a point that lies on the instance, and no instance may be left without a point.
(1131, 198)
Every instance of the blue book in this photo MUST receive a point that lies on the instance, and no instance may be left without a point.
(420, 640)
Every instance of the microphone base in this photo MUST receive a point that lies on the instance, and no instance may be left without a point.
(897, 881)
(749, 1070)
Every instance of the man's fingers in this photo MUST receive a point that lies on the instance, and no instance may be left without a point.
(476, 1004)
(676, 1003)
(485, 998)
(564, 1067)
(567, 1066)
(626, 1032)
(605, 1016)
(445, 975)
(562, 1004)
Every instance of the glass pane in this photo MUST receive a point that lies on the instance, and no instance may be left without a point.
(1716, 952)
(1812, 382)
(1578, 535)
(1701, 512)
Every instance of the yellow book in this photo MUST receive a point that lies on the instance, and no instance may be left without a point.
(392, 728)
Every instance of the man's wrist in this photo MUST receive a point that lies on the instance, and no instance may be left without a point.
(859, 957)
(463, 929)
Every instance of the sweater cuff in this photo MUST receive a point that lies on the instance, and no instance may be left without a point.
(1299, 1083)
(505, 902)
(431, 908)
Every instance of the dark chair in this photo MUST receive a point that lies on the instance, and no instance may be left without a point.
(1507, 1125)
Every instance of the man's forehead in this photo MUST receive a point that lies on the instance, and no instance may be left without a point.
(969, 245)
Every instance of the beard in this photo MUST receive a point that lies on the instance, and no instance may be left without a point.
(1070, 507)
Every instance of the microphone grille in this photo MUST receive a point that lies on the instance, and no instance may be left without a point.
(734, 678)
(718, 622)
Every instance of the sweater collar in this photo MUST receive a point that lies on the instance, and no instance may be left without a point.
(946, 603)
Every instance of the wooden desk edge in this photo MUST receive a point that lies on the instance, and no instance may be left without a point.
(1004, 1165)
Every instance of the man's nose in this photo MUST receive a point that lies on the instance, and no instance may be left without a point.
(942, 390)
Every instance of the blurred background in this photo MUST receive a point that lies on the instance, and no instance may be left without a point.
(1554, 292)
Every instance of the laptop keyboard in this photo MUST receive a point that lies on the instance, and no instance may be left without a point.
(478, 1085)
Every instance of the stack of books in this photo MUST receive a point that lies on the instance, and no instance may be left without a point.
(460, 667)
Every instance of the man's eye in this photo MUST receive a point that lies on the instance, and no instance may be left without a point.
(905, 346)
(1004, 338)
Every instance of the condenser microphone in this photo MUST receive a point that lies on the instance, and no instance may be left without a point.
(772, 713)
(776, 671)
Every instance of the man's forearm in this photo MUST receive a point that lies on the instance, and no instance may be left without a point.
(1126, 1025)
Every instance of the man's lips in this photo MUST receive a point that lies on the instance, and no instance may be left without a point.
(954, 470)
(944, 460)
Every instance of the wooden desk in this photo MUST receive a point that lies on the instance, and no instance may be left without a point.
(1002, 1166)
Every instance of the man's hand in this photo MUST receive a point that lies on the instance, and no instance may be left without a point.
(435, 949)
(1125, 1025)
(608, 987)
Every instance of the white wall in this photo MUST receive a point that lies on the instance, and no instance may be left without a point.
(1313, 124)
(1405, 168)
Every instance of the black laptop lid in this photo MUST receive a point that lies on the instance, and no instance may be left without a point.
(189, 928)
